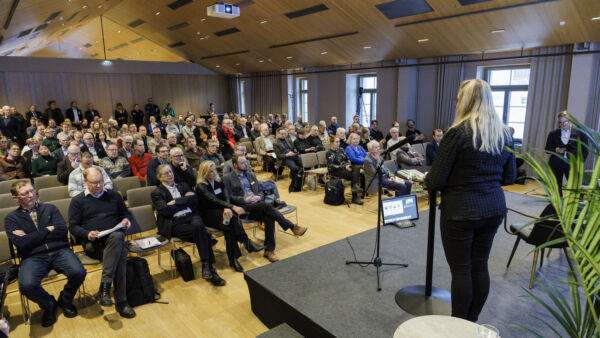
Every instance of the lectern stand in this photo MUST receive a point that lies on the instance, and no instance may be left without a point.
(420, 300)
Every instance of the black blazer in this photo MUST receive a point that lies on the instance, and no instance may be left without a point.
(38, 115)
(161, 196)
(432, 148)
(71, 115)
(554, 141)
(235, 190)
(208, 199)
(99, 150)
(470, 180)
(90, 114)
(11, 128)
(226, 150)
(240, 132)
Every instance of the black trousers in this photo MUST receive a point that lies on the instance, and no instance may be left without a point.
(190, 228)
(234, 232)
(559, 168)
(353, 175)
(266, 213)
(467, 245)
(269, 163)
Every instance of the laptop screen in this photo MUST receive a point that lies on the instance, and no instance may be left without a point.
(402, 208)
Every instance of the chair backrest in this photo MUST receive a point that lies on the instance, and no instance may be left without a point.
(63, 207)
(139, 196)
(249, 147)
(391, 166)
(122, 184)
(4, 247)
(322, 158)
(46, 182)
(54, 193)
(309, 160)
(244, 139)
(541, 231)
(419, 148)
(3, 213)
(5, 185)
(144, 216)
(7, 201)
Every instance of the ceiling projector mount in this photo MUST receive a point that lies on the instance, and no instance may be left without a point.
(223, 10)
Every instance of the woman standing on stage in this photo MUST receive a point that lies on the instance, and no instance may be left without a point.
(469, 169)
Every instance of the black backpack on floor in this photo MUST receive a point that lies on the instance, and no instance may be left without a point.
(183, 263)
(297, 183)
(334, 191)
(140, 286)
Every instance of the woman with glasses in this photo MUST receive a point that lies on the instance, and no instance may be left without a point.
(13, 165)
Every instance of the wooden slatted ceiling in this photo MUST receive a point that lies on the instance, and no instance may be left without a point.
(526, 26)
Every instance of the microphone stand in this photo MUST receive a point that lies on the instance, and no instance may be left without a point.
(377, 260)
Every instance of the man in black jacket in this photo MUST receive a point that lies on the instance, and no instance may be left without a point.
(52, 112)
(95, 210)
(9, 125)
(40, 234)
(177, 210)
(375, 133)
(433, 146)
(68, 164)
(287, 155)
(75, 115)
(244, 190)
(91, 113)
(93, 148)
(152, 110)
(560, 143)
(182, 171)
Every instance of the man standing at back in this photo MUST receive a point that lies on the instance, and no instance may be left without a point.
(433, 146)
(95, 210)
(40, 234)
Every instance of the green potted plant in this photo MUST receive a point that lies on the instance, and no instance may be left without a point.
(578, 211)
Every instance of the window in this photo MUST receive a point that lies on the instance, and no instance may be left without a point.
(509, 90)
(242, 97)
(303, 98)
(367, 102)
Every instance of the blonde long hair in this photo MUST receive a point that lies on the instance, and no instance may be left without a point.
(476, 105)
(203, 170)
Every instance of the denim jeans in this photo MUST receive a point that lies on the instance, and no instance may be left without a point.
(35, 268)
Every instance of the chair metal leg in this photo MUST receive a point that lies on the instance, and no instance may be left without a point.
(25, 309)
(542, 258)
(535, 257)
(549, 251)
(512, 253)
(566, 251)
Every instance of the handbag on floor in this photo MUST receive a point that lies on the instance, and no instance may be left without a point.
(334, 191)
(183, 263)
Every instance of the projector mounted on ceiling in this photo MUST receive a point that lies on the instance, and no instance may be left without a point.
(223, 10)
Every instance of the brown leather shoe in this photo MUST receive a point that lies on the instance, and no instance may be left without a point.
(270, 255)
(298, 230)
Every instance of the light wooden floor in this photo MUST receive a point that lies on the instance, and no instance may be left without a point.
(196, 308)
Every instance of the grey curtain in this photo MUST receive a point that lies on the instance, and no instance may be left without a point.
(266, 93)
(593, 115)
(448, 79)
(548, 93)
(234, 93)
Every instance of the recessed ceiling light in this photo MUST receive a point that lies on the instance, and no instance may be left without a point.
(367, 47)
(60, 18)
(596, 18)
(62, 24)
(157, 13)
(207, 36)
(562, 23)
(323, 53)
(237, 64)
(261, 61)
(99, 6)
(288, 57)
(84, 6)
(422, 40)
(497, 31)
(203, 19)
(218, 66)
(201, 38)
(264, 21)
(119, 31)
(197, 33)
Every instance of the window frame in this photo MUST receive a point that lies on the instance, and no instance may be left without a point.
(373, 96)
(507, 88)
(242, 94)
(301, 103)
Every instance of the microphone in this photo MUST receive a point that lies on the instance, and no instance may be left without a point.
(399, 144)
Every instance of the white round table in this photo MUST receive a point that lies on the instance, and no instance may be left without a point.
(435, 326)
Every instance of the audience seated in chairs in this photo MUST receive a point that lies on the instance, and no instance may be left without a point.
(339, 165)
(374, 132)
(389, 142)
(45, 164)
(212, 155)
(181, 169)
(265, 149)
(355, 152)
(388, 180)
(177, 209)
(227, 138)
(341, 134)
(240, 150)
(13, 165)
(433, 146)
(287, 155)
(51, 141)
(244, 191)
(100, 208)
(127, 149)
(40, 234)
(154, 141)
(93, 148)
(218, 212)
(162, 157)
(193, 153)
(139, 160)
(115, 165)
(77, 180)
(411, 130)
(61, 152)
(406, 156)
(69, 163)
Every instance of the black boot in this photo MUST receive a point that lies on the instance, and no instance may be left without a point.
(356, 199)
(356, 188)
(69, 310)
(103, 295)
(252, 247)
(125, 310)
(49, 316)
(206, 274)
(216, 280)
(235, 265)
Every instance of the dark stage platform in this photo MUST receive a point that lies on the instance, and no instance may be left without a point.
(317, 294)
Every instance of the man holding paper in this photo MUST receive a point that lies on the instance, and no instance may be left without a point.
(92, 212)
